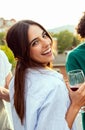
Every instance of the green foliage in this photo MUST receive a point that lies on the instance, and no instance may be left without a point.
(54, 35)
(9, 54)
(66, 40)
(76, 41)
(2, 38)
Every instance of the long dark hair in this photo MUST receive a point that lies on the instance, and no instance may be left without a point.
(18, 41)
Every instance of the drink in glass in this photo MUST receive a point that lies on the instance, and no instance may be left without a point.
(76, 78)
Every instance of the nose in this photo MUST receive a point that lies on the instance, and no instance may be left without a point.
(46, 42)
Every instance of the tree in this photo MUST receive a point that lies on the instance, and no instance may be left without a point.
(2, 38)
(65, 40)
(76, 41)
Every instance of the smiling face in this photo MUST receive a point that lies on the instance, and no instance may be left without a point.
(40, 45)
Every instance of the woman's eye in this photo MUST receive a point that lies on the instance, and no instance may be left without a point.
(34, 43)
(44, 35)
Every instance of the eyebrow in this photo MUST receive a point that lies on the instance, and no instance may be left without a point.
(36, 37)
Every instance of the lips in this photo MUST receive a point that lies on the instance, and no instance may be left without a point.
(47, 51)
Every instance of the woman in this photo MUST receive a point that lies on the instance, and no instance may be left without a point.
(38, 94)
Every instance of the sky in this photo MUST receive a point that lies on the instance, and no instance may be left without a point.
(49, 13)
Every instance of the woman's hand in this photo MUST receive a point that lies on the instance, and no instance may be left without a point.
(77, 101)
(77, 97)
(4, 94)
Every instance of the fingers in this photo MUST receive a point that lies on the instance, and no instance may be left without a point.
(68, 87)
(82, 87)
(4, 92)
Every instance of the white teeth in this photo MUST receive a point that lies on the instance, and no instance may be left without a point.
(47, 51)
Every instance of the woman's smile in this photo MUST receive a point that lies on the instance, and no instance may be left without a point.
(41, 45)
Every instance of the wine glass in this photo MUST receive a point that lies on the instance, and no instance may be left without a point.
(76, 78)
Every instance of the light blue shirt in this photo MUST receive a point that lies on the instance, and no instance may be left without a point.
(47, 101)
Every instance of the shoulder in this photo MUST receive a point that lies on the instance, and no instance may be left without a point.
(72, 54)
(43, 75)
(41, 83)
(81, 45)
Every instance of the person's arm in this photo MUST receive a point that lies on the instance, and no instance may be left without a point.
(77, 101)
(7, 80)
(5, 76)
(71, 115)
(4, 94)
(4, 91)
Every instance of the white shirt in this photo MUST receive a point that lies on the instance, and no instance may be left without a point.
(47, 101)
(5, 69)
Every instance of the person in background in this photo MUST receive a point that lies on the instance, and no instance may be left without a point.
(38, 94)
(5, 108)
(75, 58)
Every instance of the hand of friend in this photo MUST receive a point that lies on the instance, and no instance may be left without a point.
(4, 94)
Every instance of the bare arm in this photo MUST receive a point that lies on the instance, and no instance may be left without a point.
(7, 80)
(4, 91)
(77, 101)
(4, 94)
